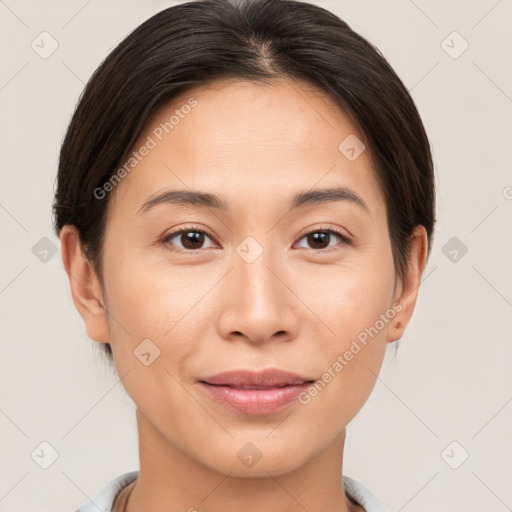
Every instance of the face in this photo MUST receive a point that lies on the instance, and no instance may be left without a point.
(253, 281)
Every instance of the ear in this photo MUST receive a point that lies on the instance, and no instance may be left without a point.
(407, 289)
(85, 286)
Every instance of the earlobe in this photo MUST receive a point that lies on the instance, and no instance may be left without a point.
(407, 296)
(85, 287)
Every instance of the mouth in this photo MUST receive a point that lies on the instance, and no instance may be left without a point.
(255, 393)
(269, 378)
(257, 387)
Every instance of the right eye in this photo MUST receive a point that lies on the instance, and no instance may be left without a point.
(191, 239)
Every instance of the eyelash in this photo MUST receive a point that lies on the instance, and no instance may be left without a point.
(324, 229)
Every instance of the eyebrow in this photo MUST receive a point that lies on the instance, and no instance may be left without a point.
(301, 199)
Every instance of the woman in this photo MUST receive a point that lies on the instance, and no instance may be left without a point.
(245, 204)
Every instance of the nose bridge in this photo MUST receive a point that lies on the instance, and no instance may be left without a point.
(258, 304)
(255, 281)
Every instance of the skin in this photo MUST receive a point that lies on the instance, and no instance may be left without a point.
(297, 307)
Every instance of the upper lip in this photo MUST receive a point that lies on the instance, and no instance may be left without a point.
(270, 378)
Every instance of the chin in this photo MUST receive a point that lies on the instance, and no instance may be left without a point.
(256, 457)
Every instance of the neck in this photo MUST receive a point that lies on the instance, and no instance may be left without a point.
(169, 479)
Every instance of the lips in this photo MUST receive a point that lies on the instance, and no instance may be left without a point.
(266, 379)
(255, 393)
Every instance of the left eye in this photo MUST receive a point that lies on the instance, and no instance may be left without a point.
(320, 238)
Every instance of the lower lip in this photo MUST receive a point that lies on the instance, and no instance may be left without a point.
(254, 401)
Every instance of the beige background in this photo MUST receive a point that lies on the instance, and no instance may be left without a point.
(451, 380)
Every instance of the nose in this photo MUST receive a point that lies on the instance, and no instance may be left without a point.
(257, 301)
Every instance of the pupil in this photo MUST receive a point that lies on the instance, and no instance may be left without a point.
(320, 236)
(191, 239)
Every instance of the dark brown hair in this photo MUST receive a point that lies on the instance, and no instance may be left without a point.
(197, 42)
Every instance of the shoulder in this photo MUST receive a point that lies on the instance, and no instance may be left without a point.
(361, 495)
(104, 499)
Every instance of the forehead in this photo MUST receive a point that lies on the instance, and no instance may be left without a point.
(244, 140)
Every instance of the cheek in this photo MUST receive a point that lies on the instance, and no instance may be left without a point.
(348, 298)
(155, 302)
(148, 296)
(356, 307)
(161, 306)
